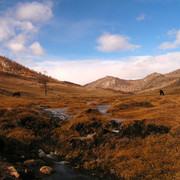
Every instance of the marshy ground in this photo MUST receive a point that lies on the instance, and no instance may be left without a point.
(144, 145)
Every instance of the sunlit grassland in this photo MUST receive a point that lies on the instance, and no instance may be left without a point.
(146, 146)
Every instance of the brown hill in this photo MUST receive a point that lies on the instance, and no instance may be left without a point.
(110, 82)
(150, 82)
(71, 83)
(15, 77)
(175, 73)
(14, 69)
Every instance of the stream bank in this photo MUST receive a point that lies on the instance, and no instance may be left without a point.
(67, 171)
(90, 141)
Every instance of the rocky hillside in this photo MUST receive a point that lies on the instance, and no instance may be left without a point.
(110, 82)
(14, 69)
(175, 73)
(150, 82)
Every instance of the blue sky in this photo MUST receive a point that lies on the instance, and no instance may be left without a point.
(83, 40)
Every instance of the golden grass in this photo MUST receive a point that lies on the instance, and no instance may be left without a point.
(146, 146)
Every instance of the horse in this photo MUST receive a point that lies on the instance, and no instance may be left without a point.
(16, 94)
(161, 92)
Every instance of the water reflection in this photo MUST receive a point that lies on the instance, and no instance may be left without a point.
(60, 113)
(103, 109)
(65, 172)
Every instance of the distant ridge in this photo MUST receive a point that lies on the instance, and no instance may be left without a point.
(71, 83)
(150, 82)
(153, 81)
(109, 82)
(15, 77)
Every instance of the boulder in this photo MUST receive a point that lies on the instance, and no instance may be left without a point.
(46, 170)
(41, 153)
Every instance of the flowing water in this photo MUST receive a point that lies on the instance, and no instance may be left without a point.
(60, 113)
(66, 172)
(103, 109)
(91, 102)
(63, 170)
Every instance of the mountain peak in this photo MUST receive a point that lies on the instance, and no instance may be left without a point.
(110, 77)
(153, 75)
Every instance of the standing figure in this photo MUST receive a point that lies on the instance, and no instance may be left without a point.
(16, 94)
(161, 92)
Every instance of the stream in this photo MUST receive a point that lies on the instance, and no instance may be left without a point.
(64, 171)
(103, 109)
(60, 113)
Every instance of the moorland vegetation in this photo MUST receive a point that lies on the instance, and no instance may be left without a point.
(143, 144)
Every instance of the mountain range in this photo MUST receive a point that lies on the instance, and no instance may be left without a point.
(9, 68)
(151, 82)
(15, 77)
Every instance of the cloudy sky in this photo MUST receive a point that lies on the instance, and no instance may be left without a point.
(84, 40)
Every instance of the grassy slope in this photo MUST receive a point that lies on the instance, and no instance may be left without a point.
(33, 89)
(143, 149)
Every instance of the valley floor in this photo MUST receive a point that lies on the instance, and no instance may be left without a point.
(144, 145)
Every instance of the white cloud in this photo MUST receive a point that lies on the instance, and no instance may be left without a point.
(85, 71)
(141, 17)
(6, 29)
(34, 11)
(26, 62)
(36, 49)
(112, 43)
(27, 26)
(20, 25)
(17, 45)
(174, 44)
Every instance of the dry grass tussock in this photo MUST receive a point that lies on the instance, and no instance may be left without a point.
(143, 146)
